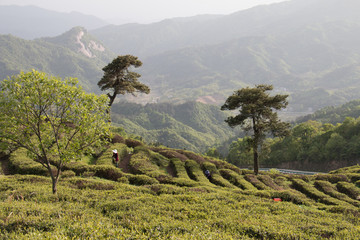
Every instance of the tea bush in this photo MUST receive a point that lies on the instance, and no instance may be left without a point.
(349, 189)
(256, 182)
(236, 179)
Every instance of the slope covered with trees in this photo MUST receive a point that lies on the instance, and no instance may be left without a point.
(191, 125)
(74, 53)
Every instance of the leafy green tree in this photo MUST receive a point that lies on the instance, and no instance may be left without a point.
(119, 78)
(240, 152)
(256, 114)
(55, 120)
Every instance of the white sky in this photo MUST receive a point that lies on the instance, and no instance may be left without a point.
(142, 11)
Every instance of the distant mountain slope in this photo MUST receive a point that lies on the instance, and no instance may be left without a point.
(31, 22)
(334, 114)
(73, 54)
(317, 64)
(193, 126)
(275, 19)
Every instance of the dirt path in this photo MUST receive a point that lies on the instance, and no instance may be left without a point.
(4, 165)
(124, 164)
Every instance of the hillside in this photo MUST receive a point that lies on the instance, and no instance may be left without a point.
(30, 22)
(158, 193)
(305, 48)
(334, 114)
(276, 19)
(74, 54)
(192, 126)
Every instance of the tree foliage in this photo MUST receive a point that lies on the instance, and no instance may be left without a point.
(53, 119)
(119, 78)
(256, 115)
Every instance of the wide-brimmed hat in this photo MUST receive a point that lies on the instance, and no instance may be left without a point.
(114, 151)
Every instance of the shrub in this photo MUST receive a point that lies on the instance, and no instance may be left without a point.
(179, 168)
(331, 190)
(256, 182)
(140, 164)
(77, 167)
(123, 180)
(132, 143)
(268, 181)
(291, 196)
(236, 179)
(20, 163)
(92, 184)
(108, 172)
(142, 180)
(159, 189)
(349, 189)
(333, 178)
(171, 154)
(313, 193)
(194, 171)
(353, 176)
(68, 174)
(190, 155)
(117, 139)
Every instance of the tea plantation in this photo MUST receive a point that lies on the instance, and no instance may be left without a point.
(162, 193)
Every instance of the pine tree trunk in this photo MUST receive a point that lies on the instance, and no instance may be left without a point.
(256, 161)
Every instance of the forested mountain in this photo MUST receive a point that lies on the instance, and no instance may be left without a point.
(31, 22)
(317, 65)
(276, 19)
(72, 54)
(334, 114)
(308, 49)
(192, 125)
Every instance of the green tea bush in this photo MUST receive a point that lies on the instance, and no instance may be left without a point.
(349, 189)
(159, 159)
(190, 155)
(313, 193)
(291, 195)
(166, 189)
(179, 168)
(256, 182)
(333, 178)
(182, 182)
(350, 169)
(168, 153)
(331, 190)
(132, 143)
(142, 180)
(268, 181)
(236, 179)
(140, 163)
(78, 167)
(107, 172)
(68, 174)
(20, 163)
(353, 176)
(94, 184)
(117, 139)
(195, 172)
(282, 181)
(357, 183)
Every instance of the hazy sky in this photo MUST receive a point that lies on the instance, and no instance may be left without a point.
(142, 11)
